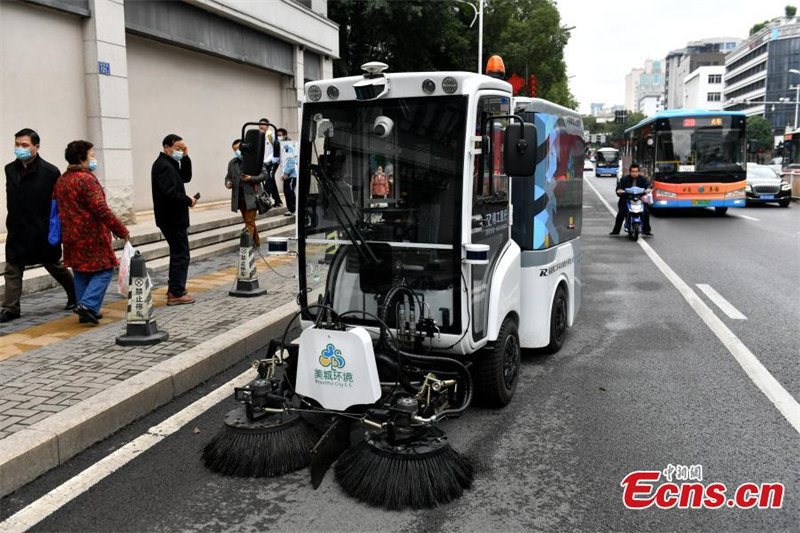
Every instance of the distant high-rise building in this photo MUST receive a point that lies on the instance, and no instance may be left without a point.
(650, 92)
(631, 86)
(682, 62)
(596, 108)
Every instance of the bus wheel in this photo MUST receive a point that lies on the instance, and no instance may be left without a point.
(496, 370)
(558, 321)
(721, 210)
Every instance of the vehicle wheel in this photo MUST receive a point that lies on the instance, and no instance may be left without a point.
(721, 210)
(634, 234)
(785, 203)
(558, 321)
(496, 370)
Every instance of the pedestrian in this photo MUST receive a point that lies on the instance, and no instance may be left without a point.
(86, 226)
(288, 170)
(244, 189)
(272, 152)
(633, 178)
(171, 169)
(29, 190)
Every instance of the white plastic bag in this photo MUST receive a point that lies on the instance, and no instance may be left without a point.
(124, 268)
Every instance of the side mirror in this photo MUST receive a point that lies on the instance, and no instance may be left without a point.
(519, 149)
(252, 148)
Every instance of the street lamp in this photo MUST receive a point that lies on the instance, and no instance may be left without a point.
(478, 15)
(796, 95)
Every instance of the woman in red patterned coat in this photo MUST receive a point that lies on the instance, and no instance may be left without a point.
(86, 226)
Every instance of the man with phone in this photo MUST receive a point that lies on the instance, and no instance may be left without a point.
(171, 170)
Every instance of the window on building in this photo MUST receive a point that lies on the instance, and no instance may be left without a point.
(714, 97)
(715, 78)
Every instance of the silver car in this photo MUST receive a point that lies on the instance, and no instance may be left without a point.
(765, 185)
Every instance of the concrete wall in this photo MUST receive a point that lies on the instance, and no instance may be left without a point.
(41, 82)
(697, 87)
(203, 99)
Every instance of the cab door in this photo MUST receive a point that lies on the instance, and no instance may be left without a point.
(490, 203)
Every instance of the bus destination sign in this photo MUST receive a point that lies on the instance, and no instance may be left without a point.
(697, 122)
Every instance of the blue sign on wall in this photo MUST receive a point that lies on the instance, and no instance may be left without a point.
(105, 68)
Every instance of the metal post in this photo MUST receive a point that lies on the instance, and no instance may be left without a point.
(480, 40)
(796, 102)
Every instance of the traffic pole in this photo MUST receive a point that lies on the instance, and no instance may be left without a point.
(246, 274)
(141, 328)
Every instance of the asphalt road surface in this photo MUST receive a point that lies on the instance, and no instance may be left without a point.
(641, 383)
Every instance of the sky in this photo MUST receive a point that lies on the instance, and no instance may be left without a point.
(613, 36)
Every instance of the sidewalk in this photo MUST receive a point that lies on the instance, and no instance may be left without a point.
(65, 385)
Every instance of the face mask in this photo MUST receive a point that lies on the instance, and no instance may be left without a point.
(92, 165)
(280, 138)
(177, 155)
(23, 154)
(237, 154)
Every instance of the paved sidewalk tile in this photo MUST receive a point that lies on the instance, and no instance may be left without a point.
(56, 370)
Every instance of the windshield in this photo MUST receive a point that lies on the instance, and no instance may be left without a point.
(761, 173)
(607, 158)
(380, 187)
(700, 148)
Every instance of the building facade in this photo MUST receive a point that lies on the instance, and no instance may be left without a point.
(681, 63)
(123, 74)
(702, 89)
(758, 80)
(650, 91)
(631, 87)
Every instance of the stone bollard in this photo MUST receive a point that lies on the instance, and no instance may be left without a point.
(246, 275)
(141, 329)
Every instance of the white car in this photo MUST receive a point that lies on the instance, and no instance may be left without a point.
(588, 165)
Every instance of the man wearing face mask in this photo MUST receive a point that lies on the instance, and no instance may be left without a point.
(29, 189)
(272, 158)
(243, 191)
(171, 206)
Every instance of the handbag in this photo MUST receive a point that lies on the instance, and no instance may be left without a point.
(263, 201)
(54, 231)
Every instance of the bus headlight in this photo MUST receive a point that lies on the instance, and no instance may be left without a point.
(747, 188)
(738, 193)
(665, 194)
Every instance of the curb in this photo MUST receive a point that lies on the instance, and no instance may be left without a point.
(31, 452)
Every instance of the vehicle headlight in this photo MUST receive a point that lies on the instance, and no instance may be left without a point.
(665, 194)
(785, 186)
(747, 188)
(735, 194)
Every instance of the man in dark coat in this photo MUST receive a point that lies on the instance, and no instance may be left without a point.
(29, 190)
(633, 179)
(171, 169)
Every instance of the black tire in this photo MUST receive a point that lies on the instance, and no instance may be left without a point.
(558, 321)
(721, 210)
(785, 203)
(496, 370)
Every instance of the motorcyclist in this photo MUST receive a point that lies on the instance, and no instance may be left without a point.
(632, 179)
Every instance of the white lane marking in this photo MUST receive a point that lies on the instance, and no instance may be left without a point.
(765, 381)
(55, 499)
(748, 217)
(724, 305)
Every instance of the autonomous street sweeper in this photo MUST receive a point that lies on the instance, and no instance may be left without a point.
(438, 234)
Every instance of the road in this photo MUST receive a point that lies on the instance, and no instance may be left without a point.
(641, 383)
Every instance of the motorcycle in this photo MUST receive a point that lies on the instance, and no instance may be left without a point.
(633, 218)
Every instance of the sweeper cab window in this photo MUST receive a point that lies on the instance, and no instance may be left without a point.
(380, 190)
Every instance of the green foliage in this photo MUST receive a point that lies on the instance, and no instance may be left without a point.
(420, 35)
(614, 132)
(758, 27)
(759, 130)
(790, 11)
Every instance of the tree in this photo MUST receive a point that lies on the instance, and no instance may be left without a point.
(529, 36)
(790, 11)
(759, 132)
(420, 35)
(758, 27)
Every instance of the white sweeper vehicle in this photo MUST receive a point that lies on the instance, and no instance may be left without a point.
(438, 234)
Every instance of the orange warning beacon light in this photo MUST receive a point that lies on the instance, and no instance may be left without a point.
(495, 67)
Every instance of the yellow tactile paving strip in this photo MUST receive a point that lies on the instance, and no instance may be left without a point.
(34, 337)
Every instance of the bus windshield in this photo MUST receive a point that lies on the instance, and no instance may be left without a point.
(687, 145)
(607, 157)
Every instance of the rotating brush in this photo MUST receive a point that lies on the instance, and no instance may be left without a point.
(267, 447)
(422, 473)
